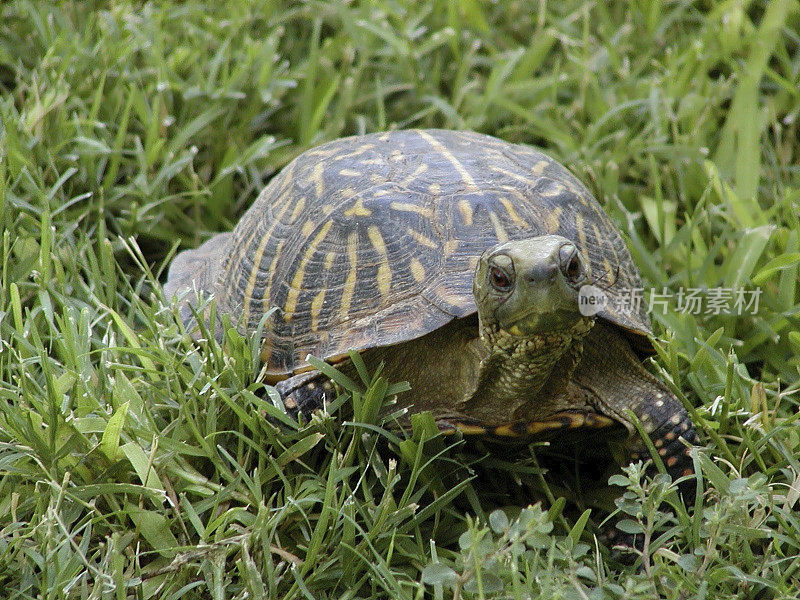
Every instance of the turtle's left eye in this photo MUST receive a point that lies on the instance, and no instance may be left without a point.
(571, 265)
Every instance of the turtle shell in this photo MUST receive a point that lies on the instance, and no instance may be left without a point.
(373, 240)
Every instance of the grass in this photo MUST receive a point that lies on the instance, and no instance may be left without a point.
(135, 463)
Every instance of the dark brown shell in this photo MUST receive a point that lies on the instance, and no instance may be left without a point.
(373, 240)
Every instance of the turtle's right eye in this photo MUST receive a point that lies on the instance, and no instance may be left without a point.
(499, 279)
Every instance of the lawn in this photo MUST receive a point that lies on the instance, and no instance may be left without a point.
(136, 463)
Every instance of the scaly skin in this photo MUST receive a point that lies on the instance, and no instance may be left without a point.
(516, 369)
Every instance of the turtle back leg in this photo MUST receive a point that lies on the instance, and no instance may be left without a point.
(304, 393)
(618, 382)
(197, 270)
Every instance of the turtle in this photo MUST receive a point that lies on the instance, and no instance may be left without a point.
(482, 272)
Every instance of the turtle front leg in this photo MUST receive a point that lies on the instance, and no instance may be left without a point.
(668, 425)
(619, 384)
(305, 393)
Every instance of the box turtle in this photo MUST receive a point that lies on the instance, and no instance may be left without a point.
(459, 261)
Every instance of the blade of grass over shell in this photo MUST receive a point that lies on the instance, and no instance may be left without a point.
(334, 374)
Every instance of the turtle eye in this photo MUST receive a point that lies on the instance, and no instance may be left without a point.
(571, 264)
(499, 279)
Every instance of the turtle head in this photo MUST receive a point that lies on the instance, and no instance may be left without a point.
(531, 286)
